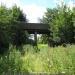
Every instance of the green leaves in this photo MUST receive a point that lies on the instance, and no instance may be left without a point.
(9, 16)
(61, 21)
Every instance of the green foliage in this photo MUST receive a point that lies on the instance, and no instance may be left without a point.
(44, 39)
(61, 23)
(17, 35)
(10, 30)
(17, 14)
(10, 62)
(5, 15)
(48, 60)
(51, 60)
(4, 20)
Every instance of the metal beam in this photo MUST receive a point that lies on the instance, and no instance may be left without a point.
(40, 28)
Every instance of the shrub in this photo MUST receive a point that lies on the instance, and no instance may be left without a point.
(11, 62)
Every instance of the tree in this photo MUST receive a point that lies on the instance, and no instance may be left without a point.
(10, 31)
(18, 36)
(73, 20)
(4, 22)
(61, 24)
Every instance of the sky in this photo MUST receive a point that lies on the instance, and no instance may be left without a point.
(35, 9)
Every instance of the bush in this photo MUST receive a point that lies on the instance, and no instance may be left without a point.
(4, 41)
(11, 62)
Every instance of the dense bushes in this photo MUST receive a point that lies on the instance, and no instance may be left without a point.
(4, 39)
(51, 60)
(10, 31)
(61, 21)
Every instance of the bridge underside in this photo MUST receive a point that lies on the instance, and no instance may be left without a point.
(32, 31)
(34, 28)
(40, 28)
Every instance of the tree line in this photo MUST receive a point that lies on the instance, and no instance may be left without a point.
(61, 21)
(10, 32)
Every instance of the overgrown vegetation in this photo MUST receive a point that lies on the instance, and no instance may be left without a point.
(51, 60)
(10, 32)
(61, 21)
(16, 56)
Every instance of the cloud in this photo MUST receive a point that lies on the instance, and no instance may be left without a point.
(58, 2)
(32, 11)
(10, 3)
(71, 4)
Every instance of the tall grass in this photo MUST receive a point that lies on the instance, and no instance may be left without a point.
(52, 60)
(11, 62)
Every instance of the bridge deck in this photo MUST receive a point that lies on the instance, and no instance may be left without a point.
(34, 27)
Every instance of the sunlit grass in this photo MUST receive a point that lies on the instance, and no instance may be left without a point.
(54, 60)
(47, 59)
